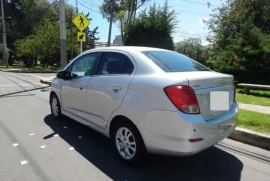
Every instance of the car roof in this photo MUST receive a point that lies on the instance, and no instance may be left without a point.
(127, 48)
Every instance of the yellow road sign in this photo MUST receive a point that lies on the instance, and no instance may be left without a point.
(81, 36)
(81, 22)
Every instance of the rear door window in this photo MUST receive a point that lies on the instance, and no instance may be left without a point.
(114, 63)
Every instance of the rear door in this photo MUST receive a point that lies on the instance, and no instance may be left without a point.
(108, 87)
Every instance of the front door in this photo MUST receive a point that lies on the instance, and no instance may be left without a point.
(73, 92)
(108, 87)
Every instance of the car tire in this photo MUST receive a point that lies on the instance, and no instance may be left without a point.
(55, 107)
(128, 143)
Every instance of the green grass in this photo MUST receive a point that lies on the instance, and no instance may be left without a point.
(257, 97)
(258, 122)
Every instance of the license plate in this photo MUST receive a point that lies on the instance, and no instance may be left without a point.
(219, 101)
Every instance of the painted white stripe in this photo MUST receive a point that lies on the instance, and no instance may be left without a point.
(6, 78)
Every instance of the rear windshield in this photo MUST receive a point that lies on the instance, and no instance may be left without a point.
(174, 62)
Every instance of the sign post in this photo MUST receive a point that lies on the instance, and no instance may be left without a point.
(81, 22)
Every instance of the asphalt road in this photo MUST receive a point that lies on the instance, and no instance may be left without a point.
(44, 143)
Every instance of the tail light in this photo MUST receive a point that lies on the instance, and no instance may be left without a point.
(183, 97)
(234, 91)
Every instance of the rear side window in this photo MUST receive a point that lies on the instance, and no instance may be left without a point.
(174, 62)
(114, 63)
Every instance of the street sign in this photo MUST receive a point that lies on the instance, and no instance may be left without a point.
(81, 36)
(81, 22)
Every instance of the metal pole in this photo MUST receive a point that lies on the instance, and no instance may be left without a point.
(5, 53)
(71, 31)
(81, 47)
(111, 20)
(63, 36)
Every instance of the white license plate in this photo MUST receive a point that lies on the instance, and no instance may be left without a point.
(219, 101)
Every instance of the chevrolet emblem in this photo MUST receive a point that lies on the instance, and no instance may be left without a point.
(223, 82)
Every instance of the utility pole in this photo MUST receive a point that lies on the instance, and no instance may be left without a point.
(5, 53)
(111, 20)
(63, 36)
(81, 45)
(71, 37)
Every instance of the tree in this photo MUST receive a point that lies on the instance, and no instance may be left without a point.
(24, 16)
(193, 48)
(91, 36)
(43, 45)
(153, 28)
(240, 36)
(122, 10)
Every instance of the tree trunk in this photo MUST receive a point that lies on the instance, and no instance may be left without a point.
(122, 34)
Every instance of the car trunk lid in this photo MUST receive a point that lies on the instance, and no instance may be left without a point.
(205, 82)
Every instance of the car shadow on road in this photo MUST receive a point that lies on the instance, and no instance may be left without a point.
(212, 164)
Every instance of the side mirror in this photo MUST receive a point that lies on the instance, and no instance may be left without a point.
(63, 74)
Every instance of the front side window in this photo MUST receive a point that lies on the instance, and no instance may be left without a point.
(174, 62)
(114, 63)
(83, 65)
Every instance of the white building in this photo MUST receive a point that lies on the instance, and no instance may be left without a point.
(118, 40)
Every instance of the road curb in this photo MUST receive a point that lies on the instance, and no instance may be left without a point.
(30, 71)
(47, 81)
(251, 138)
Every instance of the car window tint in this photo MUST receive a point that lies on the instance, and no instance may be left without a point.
(114, 63)
(174, 62)
(83, 65)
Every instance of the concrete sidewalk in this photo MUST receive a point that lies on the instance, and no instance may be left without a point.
(47, 81)
(255, 108)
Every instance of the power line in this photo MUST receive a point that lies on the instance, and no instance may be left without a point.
(91, 4)
(195, 2)
(192, 34)
(192, 12)
(88, 7)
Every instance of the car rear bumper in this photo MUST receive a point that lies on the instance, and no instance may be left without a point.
(168, 132)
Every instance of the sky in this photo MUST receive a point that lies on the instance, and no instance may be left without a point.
(190, 14)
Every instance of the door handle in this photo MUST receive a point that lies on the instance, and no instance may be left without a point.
(81, 88)
(116, 89)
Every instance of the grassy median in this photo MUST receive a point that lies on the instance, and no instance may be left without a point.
(257, 97)
(258, 122)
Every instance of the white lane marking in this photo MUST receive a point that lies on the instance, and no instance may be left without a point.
(65, 127)
(23, 162)
(6, 78)
(8, 85)
(15, 144)
(71, 148)
(80, 137)
(43, 146)
(31, 134)
(35, 76)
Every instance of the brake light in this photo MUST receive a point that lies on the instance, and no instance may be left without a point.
(234, 91)
(183, 97)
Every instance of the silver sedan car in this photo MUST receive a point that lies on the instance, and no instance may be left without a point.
(146, 100)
